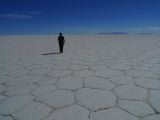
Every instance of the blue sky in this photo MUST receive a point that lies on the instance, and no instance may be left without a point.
(79, 16)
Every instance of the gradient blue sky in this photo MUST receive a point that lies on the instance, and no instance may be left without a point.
(79, 16)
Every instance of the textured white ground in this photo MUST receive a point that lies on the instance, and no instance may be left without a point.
(98, 77)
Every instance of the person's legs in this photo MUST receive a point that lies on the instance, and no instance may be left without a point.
(61, 48)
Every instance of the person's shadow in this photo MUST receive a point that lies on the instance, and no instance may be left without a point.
(50, 53)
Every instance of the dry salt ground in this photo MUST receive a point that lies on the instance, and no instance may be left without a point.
(98, 77)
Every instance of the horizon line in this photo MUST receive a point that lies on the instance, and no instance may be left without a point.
(97, 33)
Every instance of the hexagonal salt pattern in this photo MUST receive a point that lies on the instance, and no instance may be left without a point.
(2, 88)
(2, 97)
(121, 66)
(70, 83)
(101, 83)
(108, 73)
(131, 92)
(57, 99)
(78, 67)
(39, 71)
(152, 117)
(98, 67)
(96, 78)
(83, 73)
(47, 81)
(20, 89)
(140, 73)
(70, 113)
(120, 80)
(43, 89)
(59, 73)
(148, 83)
(32, 111)
(5, 118)
(113, 114)
(137, 108)
(95, 99)
(154, 99)
(28, 79)
(12, 104)
(18, 73)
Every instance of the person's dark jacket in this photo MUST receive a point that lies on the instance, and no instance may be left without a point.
(61, 40)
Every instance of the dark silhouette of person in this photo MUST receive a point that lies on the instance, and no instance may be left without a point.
(61, 41)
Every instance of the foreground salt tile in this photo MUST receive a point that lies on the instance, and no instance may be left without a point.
(121, 66)
(144, 67)
(148, 83)
(60, 73)
(58, 98)
(31, 66)
(131, 92)
(43, 89)
(3, 79)
(61, 63)
(78, 67)
(13, 67)
(23, 80)
(154, 99)
(95, 99)
(47, 81)
(93, 58)
(60, 67)
(39, 71)
(113, 114)
(100, 63)
(81, 62)
(45, 66)
(96, 82)
(70, 83)
(2, 97)
(156, 69)
(120, 80)
(142, 73)
(12, 104)
(4, 72)
(110, 60)
(18, 73)
(73, 112)
(108, 73)
(137, 108)
(32, 111)
(83, 73)
(98, 67)
(2, 88)
(20, 89)
(152, 117)
(153, 60)
(5, 118)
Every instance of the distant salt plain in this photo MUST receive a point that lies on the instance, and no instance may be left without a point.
(79, 44)
(31, 47)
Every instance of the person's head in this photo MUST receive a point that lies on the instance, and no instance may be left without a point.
(60, 34)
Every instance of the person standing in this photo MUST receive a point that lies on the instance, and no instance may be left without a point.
(61, 42)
